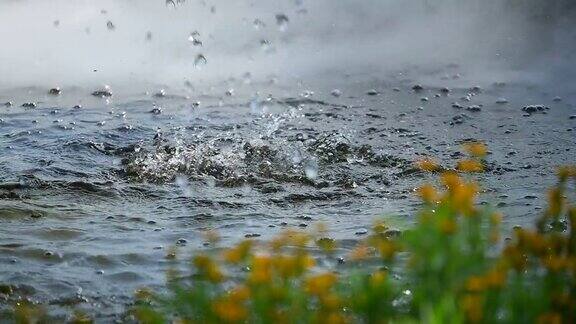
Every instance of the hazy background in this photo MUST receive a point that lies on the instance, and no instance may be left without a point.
(65, 43)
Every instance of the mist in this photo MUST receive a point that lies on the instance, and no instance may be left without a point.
(69, 43)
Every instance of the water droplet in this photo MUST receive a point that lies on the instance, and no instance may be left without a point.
(194, 38)
(184, 185)
(265, 45)
(296, 157)
(258, 24)
(255, 106)
(200, 61)
(311, 169)
(282, 21)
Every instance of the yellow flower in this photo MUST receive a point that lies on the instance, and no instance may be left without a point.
(379, 227)
(208, 268)
(386, 248)
(565, 172)
(463, 197)
(555, 263)
(428, 165)
(495, 278)
(475, 284)
(451, 180)
(472, 305)
(320, 284)
(428, 194)
(470, 166)
(326, 244)
(239, 293)
(330, 301)
(335, 318)
(476, 149)
(238, 253)
(229, 311)
(378, 278)
(448, 226)
(555, 202)
(261, 270)
(496, 218)
(286, 265)
(549, 318)
(360, 253)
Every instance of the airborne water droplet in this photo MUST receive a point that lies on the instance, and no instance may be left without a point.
(282, 21)
(311, 169)
(200, 61)
(194, 38)
(258, 24)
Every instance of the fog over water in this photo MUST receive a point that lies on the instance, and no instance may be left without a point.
(68, 43)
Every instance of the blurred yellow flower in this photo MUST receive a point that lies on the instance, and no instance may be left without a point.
(378, 278)
(239, 293)
(261, 270)
(447, 226)
(550, 318)
(476, 149)
(207, 268)
(472, 305)
(360, 253)
(475, 284)
(229, 311)
(470, 166)
(320, 284)
(428, 194)
(238, 253)
(428, 165)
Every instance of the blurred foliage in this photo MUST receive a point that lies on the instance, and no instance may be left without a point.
(451, 267)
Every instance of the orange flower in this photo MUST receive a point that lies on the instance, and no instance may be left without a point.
(208, 268)
(386, 248)
(229, 311)
(378, 278)
(320, 284)
(428, 165)
(470, 166)
(451, 180)
(463, 197)
(565, 172)
(555, 202)
(239, 293)
(495, 278)
(360, 253)
(428, 194)
(496, 218)
(330, 301)
(549, 318)
(476, 149)
(555, 263)
(238, 253)
(261, 270)
(447, 226)
(475, 284)
(472, 306)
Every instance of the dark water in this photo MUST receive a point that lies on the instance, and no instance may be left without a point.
(92, 197)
